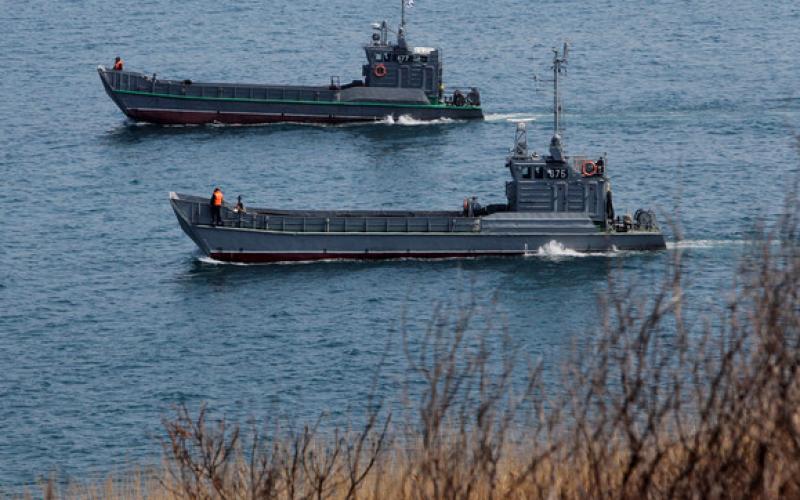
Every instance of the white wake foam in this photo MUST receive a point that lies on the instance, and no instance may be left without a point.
(555, 250)
(672, 245)
(408, 121)
(509, 117)
(214, 262)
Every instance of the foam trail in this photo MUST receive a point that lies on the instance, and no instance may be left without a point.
(214, 262)
(135, 124)
(509, 117)
(672, 245)
(408, 121)
(555, 250)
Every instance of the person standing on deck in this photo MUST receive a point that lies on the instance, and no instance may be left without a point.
(118, 64)
(216, 201)
(239, 208)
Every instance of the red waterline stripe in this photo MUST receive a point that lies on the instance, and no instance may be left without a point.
(251, 258)
(203, 117)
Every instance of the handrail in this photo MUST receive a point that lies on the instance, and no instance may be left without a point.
(343, 224)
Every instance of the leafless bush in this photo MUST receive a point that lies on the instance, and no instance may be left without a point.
(201, 458)
(457, 443)
(660, 410)
(211, 461)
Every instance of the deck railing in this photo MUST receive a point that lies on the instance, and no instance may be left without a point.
(201, 214)
(137, 82)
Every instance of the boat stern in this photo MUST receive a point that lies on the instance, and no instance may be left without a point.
(639, 240)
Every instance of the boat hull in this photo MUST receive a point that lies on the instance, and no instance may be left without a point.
(370, 247)
(167, 111)
(171, 103)
(240, 242)
(274, 247)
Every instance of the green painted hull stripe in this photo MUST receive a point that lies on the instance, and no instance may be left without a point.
(281, 101)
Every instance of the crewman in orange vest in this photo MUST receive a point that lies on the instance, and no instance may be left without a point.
(217, 199)
(118, 64)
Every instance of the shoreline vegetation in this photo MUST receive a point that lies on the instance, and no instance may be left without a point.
(654, 406)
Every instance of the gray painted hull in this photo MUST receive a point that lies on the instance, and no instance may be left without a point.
(236, 104)
(250, 244)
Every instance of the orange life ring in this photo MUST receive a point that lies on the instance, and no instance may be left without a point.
(589, 168)
(380, 70)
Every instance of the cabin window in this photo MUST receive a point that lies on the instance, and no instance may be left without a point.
(379, 57)
(526, 172)
(423, 59)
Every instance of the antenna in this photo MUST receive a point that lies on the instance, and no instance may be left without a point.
(380, 34)
(536, 77)
(521, 141)
(401, 32)
(558, 63)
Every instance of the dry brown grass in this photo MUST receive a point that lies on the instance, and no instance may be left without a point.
(652, 408)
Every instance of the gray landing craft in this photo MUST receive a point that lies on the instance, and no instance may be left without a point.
(398, 80)
(550, 198)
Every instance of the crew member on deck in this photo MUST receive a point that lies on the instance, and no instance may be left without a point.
(118, 64)
(239, 208)
(474, 207)
(458, 98)
(217, 199)
(474, 97)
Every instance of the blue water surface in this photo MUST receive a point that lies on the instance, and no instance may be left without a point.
(108, 316)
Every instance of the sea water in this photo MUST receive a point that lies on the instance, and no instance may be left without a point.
(109, 315)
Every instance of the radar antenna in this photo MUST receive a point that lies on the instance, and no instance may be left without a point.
(380, 35)
(521, 141)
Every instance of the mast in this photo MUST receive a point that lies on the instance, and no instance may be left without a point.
(558, 62)
(401, 32)
(556, 146)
